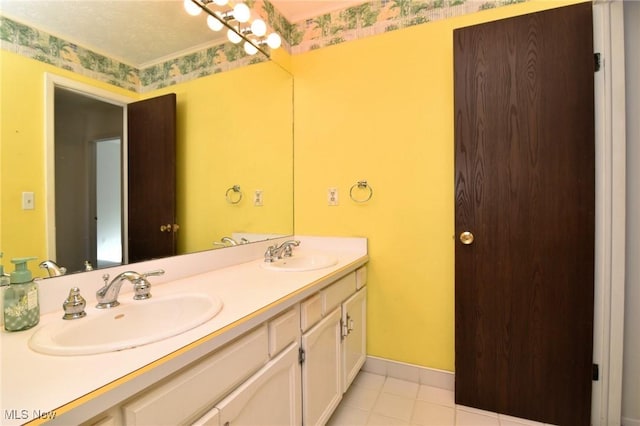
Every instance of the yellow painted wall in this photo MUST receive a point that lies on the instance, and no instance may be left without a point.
(381, 109)
(22, 147)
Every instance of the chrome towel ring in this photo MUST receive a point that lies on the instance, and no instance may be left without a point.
(361, 186)
(231, 196)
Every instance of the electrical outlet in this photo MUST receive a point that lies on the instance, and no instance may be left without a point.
(28, 201)
(257, 198)
(332, 196)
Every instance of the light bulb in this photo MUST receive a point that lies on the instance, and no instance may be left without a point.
(258, 28)
(221, 2)
(192, 8)
(214, 24)
(234, 37)
(274, 40)
(250, 48)
(241, 12)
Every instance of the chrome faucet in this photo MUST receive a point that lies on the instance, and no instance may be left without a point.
(53, 268)
(285, 249)
(107, 296)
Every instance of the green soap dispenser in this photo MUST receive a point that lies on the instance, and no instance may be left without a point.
(21, 305)
(4, 285)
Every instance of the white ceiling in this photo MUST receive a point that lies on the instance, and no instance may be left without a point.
(139, 32)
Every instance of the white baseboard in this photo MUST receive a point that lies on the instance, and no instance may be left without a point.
(413, 373)
(626, 421)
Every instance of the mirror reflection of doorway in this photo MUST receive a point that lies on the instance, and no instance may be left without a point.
(81, 121)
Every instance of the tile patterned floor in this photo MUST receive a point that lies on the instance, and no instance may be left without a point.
(377, 400)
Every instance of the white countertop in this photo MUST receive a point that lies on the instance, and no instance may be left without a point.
(33, 383)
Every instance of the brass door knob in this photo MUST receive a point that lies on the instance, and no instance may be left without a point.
(169, 227)
(466, 238)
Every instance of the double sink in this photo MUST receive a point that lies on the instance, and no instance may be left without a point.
(147, 321)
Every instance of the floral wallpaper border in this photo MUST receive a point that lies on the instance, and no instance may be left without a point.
(41, 46)
(367, 19)
(370, 18)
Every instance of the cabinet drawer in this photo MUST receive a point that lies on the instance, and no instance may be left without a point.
(361, 277)
(338, 292)
(310, 311)
(189, 392)
(283, 330)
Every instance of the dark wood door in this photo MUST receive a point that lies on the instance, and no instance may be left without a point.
(525, 182)
(151, 164)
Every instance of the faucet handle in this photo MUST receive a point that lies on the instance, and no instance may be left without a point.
(74, 305)
(287, 247)
(142, 287)
(154, 273)
(270, 253)
(105, 278)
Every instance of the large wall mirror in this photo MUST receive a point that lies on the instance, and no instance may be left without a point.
(234, 147)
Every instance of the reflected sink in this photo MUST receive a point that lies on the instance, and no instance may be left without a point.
(126, 326)
(301, 263)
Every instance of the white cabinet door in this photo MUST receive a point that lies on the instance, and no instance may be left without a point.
(321, 374)
(270, 397)
(212, 418)
(354, 328)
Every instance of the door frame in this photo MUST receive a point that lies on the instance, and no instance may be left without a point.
(609, 271)
(51, 81)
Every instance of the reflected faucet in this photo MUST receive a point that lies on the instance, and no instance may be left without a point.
(53, 268)
(228, 242)
(285, 249)
(107, 296)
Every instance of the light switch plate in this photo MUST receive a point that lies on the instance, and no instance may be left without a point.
(28, 202)
(257, 198)
(332, 196)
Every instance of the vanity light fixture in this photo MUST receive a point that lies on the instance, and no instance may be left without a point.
(233, 36)
(214, 24)
(192, 8)
(259, 28)
(238, 22)
(241, 13)
(250, 48)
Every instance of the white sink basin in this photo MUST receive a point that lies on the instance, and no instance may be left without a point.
(301, 263)
(126, 326)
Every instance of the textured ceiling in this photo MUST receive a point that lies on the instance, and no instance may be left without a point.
(138, 32)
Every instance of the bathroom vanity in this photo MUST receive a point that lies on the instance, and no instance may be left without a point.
(283, 348)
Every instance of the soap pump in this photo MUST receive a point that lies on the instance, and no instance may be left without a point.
(21, 304)
(4, 279)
